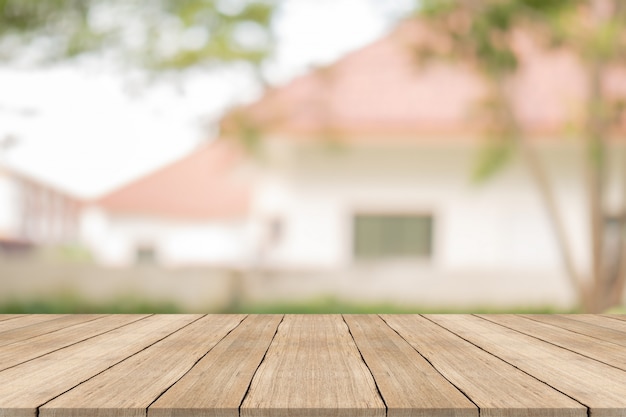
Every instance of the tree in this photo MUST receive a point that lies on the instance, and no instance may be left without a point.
(482, 32)
(156, 34)
(159, 36)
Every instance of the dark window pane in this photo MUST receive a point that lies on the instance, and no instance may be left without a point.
(145, 255)
(392, 236)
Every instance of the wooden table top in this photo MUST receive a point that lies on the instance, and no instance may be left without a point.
(312, 365)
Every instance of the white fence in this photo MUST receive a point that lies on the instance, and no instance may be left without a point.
(208, 290)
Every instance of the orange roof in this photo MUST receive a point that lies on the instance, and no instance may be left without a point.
(202, 185)
(381, 90)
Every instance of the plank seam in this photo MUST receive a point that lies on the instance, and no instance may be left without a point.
(554, 388)
(71, 344)
(259, 365)
(598, 325)
(117, 363)
(612, 317)
(195, 363)
(17, 316)
(433, 366)
(519, 369)
(23, 326)
(380, 394)
(553, 344)
(37, 409)
(577, 332)
(40, 334)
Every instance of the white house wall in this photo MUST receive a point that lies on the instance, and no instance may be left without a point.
(500, 224)
(493, 243)
(114, 239)
(9, 207)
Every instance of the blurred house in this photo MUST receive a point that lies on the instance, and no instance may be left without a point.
(358, 183)
(34, 214)
(366, 170)
(191, 212)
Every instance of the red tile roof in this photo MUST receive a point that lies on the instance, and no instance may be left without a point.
(377, 92)
(202, 185)
(381, 90)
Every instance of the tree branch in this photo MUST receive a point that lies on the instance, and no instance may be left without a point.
(545, 188)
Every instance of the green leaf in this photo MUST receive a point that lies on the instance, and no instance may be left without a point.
(492, 158)
(172, 34)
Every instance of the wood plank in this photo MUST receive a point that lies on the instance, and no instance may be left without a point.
(218, 383)
(409, 385)
(601, 321)
(7, 327)
(496, 387)
(615, 316)
(598, 386)
(312, 368)
(128, 388)
(30, 385)
(4, 317)
(578, 324)
(27, 332)
(600, 350)
(25, 350)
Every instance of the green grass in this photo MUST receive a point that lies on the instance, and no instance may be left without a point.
(330, 305)
(68, 303)
(617, 310)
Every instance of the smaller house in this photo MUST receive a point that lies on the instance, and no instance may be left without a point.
(191, 212)
(35, 214)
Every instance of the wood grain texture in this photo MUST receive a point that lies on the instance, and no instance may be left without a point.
(128, 388)
(603, 351)
(496, 387)
(312, 368)
(600, 387)
(409, 385)
(25, 350)
(30, 385)
(9, 329)
(4, 317)
(615, 316)
(48, 326)
(582, 325)
(217, 384)
(313, 365)
(600, 321)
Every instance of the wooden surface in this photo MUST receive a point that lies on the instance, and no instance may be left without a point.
(312, 365)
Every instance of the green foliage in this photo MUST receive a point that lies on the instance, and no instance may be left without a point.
(246, 131)
(492, 158)
(66, 253)
(604, 43)
(482, 31)
(332, 305)
(157, 34)
(69, 303)
(483, 34)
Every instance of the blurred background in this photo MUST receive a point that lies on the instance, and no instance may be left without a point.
(312, 156)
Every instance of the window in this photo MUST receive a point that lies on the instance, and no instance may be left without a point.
(393, 236)
(145, 255)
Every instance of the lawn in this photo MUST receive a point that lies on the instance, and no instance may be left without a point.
(72, 304)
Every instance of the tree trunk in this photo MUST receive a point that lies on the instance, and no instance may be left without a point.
(546, 192)
(595, 180)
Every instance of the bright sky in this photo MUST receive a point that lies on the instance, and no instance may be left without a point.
(88, 130)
